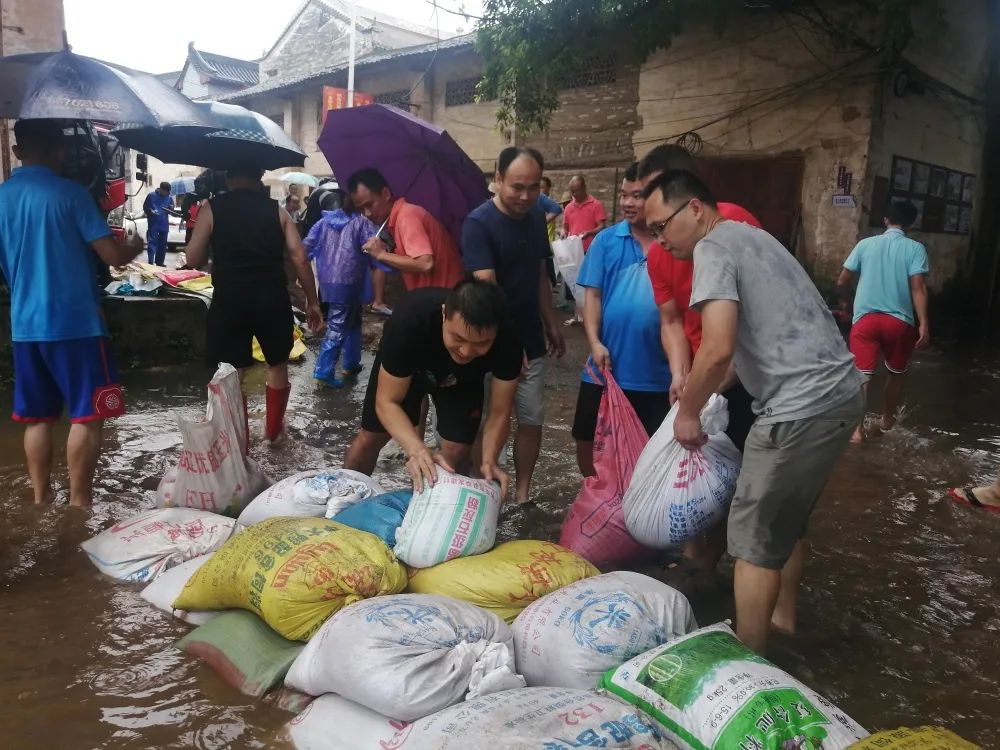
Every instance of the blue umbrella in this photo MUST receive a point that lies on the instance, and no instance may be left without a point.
(182, 185)
(245, 137)
(64, 85)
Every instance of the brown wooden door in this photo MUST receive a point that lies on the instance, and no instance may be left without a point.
(768, 187)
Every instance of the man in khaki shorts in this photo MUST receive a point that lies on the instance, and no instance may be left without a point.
(762, 314)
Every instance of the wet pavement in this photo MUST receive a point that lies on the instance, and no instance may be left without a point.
(899, 606)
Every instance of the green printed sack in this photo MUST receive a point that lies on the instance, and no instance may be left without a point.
(710, 692)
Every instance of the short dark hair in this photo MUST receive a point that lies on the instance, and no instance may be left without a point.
(666, 157)
(245, 170)
(679, 184)
(36, 137)
(370, 177)
(546, 181)
(165, 186)
(481, 304)
(632, 172)
(509, 154)
(901, 214)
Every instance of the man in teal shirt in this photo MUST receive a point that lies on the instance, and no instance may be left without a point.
(890, 304)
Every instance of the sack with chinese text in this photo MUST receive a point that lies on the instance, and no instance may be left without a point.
(506, 579)
(454, 517)
(409, 655)
(594, 528)
(214, 472)
(294, 573)
(300, 496)
(526, 719)
(710, 692)
(145, 545)
(572, 636)
(677, 494)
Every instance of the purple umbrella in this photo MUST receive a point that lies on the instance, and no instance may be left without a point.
(421, 162)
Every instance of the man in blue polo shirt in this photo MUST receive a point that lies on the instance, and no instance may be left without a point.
(622, 324)
(157, 208)
(52, 238)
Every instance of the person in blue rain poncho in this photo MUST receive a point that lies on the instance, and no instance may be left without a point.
(343, 274)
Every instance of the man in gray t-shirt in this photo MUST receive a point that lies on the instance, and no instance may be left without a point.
(762, 315)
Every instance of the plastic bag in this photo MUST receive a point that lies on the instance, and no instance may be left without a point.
(294, 573)
(568, 256)
(244, 651)
(595, 525)
(677, 494)
(710, 692)
(525, 719)
(380, 515)
(214, 472)
(574, 635)
(408, 655)
(145, 545)
(506, 579)
(167, 586)
(454, 517)
(921, 738)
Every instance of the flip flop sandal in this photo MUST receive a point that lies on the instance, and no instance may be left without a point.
(970, 499)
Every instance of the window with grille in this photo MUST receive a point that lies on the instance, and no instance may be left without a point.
(593, 71)
(400, 99)
(462, 91)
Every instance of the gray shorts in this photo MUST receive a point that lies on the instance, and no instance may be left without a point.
(785, 467)
(529, 404)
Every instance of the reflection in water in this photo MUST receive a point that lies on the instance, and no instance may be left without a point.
(899, 604)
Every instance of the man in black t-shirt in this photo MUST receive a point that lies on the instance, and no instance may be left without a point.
(442, 343)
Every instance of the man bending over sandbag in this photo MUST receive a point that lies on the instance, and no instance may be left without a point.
(442, 343)
(760, 311)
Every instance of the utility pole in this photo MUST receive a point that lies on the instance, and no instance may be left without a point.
(350, 59)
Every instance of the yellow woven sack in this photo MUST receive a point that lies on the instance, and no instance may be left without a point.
(505, 580)
(921, 738)
(294, 573)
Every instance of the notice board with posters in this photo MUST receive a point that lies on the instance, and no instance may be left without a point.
(336, 98)
(943, 196)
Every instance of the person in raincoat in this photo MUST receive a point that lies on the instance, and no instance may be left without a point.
(342, 269)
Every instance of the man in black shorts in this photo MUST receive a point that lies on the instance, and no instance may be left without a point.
(250, 235)
(442, 343)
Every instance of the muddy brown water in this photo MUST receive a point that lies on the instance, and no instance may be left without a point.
(899, 605)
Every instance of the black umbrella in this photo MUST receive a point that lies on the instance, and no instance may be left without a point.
(63, 85)
(245, 137)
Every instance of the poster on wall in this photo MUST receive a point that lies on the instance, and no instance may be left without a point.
(901, 174)
(943, 197)
(939, 182)
(336, 98)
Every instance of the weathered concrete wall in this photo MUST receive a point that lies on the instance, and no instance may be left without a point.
(594, 125)
(764, 88)
(937, 126)
(145, 332)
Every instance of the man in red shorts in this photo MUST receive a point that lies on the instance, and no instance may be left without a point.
(680, 331)
(891, 272)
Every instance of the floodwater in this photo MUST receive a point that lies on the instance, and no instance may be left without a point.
(899, 606)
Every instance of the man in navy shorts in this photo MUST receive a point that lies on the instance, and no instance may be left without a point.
(52, 241)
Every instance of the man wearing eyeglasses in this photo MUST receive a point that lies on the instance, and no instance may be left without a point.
(761, 313)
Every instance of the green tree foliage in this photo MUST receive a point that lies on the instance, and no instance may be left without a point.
(530, 45)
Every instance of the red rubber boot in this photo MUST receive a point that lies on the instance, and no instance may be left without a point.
(277, 401)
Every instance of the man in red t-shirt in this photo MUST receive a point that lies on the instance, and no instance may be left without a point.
(680, 330)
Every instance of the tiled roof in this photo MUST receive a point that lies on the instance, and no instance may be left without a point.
(224, 69)
(464, 40)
